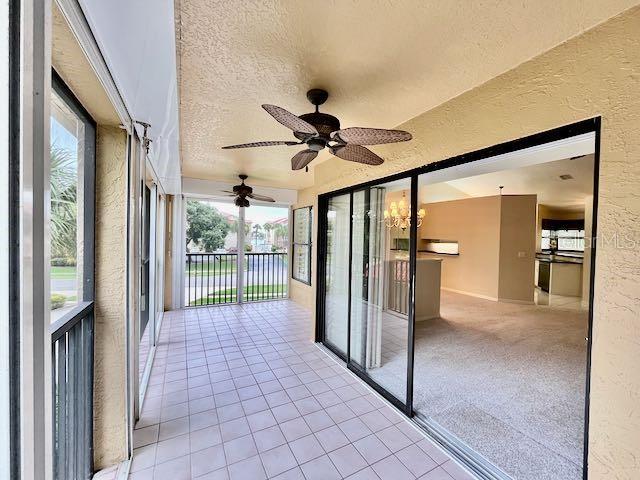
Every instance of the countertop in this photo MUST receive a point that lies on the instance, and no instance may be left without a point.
(548, 258)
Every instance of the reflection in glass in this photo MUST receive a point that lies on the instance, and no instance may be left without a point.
(379, 288)
(337, 273)
(302, 244)
(66, 151)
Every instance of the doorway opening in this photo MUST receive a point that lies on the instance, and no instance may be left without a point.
(462, 292)
(235, 254)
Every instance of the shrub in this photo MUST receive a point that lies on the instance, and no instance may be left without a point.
(63, 262)
(57, 300)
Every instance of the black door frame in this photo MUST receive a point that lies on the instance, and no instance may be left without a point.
(559, 133)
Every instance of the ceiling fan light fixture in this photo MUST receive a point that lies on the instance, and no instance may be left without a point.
(318, 129)
(242, 191)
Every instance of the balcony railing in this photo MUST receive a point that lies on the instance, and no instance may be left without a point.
(266, 277)
(212, 278)
(72, 384)
(398, 293)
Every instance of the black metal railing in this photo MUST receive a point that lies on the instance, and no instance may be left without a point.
(266, 276)
(72, 384)
(211, 278)
(398, 293)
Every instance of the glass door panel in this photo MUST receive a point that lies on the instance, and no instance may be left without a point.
(380, 285)
(337, 273)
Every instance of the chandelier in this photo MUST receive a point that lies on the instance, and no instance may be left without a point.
(399, 215)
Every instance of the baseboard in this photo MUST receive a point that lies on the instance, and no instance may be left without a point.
(518, 302)
(123, 470)
(144, 381)
(471, 294)
(119, 471)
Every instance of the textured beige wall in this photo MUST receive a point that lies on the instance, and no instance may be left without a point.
(298, 291)
(517, 248)
(69, 61)
(110, 313)
(586, 259)
(595, 74)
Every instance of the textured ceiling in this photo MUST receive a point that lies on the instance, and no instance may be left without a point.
(382, 61)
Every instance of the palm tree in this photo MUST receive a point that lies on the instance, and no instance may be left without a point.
(63, 184)
(268, 227)
(280, 233)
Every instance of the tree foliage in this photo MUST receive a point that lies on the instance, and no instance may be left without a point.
(63, 184)
(206, 227)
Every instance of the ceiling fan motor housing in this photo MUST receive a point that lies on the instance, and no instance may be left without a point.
(324, 123)
(241, 202)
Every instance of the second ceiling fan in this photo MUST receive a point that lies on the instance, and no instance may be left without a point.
(319, 130)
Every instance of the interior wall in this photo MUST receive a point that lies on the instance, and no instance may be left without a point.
(475, 224)
(517, 248)
(110, 426)
(594, 74)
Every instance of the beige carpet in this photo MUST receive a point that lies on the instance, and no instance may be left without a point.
(507, 379)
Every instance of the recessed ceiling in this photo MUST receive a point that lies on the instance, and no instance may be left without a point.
(382, 61)
(542, 180)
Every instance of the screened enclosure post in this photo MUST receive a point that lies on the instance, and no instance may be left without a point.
(35, 381)
(240, 260)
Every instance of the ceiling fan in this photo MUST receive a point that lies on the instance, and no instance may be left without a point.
(319, 130)
(242, 191)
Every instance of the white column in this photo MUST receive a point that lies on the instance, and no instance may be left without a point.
(178, 249)
(240, 269)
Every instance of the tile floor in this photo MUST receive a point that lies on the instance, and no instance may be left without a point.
(242, 392)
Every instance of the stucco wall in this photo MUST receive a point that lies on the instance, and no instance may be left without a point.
(110, 313)
(597, 73)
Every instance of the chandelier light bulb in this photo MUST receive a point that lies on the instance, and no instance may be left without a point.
(399, 214)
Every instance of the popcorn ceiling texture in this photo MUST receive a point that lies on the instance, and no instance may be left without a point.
(382, 61)
(595, 74)
(110, 427)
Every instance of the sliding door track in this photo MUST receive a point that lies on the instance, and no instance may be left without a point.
(475, 462)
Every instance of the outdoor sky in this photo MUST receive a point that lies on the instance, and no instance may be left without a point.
(255, 213)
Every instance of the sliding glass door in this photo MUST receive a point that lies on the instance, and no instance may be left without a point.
(366, 313)
(336, 301)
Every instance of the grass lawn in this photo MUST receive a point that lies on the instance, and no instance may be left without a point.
(63, 273)
(252, 292)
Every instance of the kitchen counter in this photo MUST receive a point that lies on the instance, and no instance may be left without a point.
(556, 258)
(560, 276)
